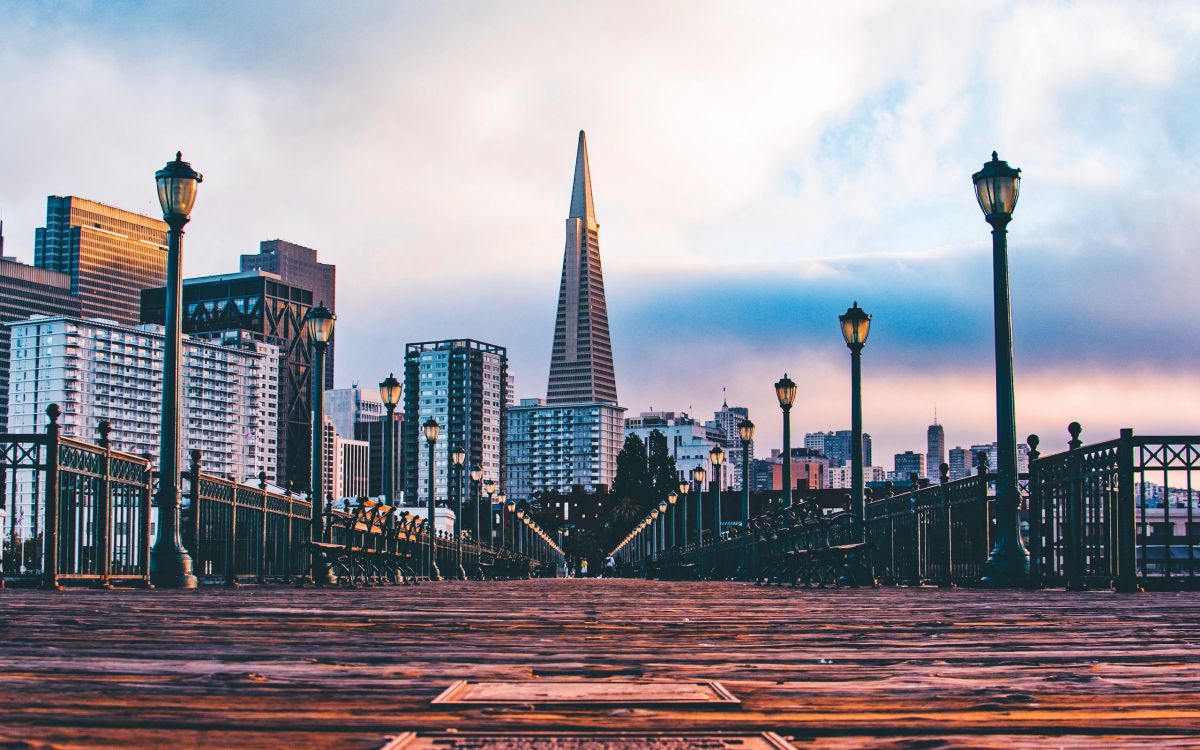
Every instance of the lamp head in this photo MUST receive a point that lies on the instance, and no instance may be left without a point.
(856, 324)
(319, 324)
(785, 391)
(476, 474)
(746, 431)
(717, 455)
(390, 391)
(684, 487)
(996, 188)
(458, 456)
(177, 189)
(671, 498)
(432, 428)
(662, 506)
(698, 474)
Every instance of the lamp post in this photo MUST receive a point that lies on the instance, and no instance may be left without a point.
(458, 456)
(684, 487)
(785, 391)
(746, 433)
(698, 476)
(996, 188)
(319, 325)
(511, 508)
(390, 391)
(518, 532)
(477, 500)
(170, 564)
(671, 499)
(717, 457)
(432, 428)
(499, 500)
(856, 324)
(662, 525)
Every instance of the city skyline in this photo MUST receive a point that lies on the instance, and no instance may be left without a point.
(741, 202)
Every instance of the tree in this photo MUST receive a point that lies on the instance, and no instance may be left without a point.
(633, 476)
(664, 477)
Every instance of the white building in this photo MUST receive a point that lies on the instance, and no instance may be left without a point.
(97, 370)
(346, 406)
(555, 447)
(838, 477)
(689, 442)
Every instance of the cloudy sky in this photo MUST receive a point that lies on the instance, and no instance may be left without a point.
(757, 167)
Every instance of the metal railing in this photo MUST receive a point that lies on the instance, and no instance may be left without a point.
(73, 511)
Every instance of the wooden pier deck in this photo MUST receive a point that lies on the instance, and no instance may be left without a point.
(893, 668)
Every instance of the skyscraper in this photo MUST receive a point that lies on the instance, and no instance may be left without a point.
(581, 361)
(935, 448)
(24, 291)
(298, 266)
(259, 306)
(573, 437)
(111, 255)
(461, 383)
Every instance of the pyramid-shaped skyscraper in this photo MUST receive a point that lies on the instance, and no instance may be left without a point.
(581, 361)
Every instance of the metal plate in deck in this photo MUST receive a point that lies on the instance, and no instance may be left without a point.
(587, 741)
(582, 693)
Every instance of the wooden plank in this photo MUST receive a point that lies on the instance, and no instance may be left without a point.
(263, 666)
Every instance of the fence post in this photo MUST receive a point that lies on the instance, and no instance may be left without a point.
(1073, 531)
(194, 472)
(1036, 545)
(947, 532)
(1126, 517)
(261, 563)
(981, 460)
(104, 506)
(231, 542)
(50, 548)
(147, 501)
(917, 555)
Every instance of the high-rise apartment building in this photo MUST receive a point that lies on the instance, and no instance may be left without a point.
(111, 255)
(95, 370)
(297, 266)
(561, 447)
(258, 305)
(26, 291)
(935, 449)
(836, 445)
(462, 384)
(581, 361)
(572, 438)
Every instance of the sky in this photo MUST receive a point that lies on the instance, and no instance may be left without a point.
(757, 167)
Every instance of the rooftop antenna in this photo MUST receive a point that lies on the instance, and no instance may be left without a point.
(934, 413)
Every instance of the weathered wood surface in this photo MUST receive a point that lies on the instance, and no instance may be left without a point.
(896, 668)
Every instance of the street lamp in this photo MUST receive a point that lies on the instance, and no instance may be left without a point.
(717, 457)
(477, 498)
(746, 433)
(785, 391)
(996, 188)
(671, 499)
(856, 324)
(458, 456)
(170, 564)
(492, 518)
(698, 476)
(390, 391)
(511, 508)
(432, 428)
(662, 525)
(684, 488)
(518, 532)
(319, 326)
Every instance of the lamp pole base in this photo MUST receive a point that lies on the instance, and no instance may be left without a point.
(171, 568)
(1006, 568)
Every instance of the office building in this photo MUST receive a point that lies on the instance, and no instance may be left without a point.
(562, 447)
(909, 463)
(111, 255)
(372, 432)
(354, 458)
(572, 438)
(297, 266)
(726, 421)
(462, 384)
(349, 406)
(581, 362)
(836, 445)
(257, 305)
(95, 370)
(839, 477)
(962, 463)
(935, 451)
(26, 291)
